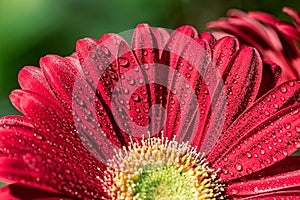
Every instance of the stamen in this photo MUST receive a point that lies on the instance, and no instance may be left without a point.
(159, 168)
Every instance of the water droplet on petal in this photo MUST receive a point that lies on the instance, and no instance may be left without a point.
(234, 191)
(287, 126)
(255, 189)
(291, 84)
(136, 98)
(249, 171)
(297, 129)
(105, 50)
(283, 89)
(239, 167)
(123, 62)
(145, 53)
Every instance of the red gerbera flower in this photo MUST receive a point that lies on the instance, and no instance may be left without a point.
(274, 39)
(171, 117)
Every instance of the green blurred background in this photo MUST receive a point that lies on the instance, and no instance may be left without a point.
(30, 29)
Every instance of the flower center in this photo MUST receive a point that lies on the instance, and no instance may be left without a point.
(158, 168)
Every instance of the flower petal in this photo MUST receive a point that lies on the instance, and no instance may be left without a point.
(263, 17)
(145, 45)
(61, 73)
(267, 143)
(208, 37)
(289, 30)
(162, 36)
(282, 195)
(95, 98)
(46, 159)
(242, 78)
(293, 13)
(277, 99)
(272, 43)
(245, 28)
(270, 77)
(223, 50)
(32, 79)
(284, 175)
(22, 192)
(147, 50)
(189, 92)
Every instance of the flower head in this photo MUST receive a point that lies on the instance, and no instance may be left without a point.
(274, 39)
(180, 116)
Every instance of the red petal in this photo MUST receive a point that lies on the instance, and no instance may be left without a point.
(161, 36)
(294, 14)
(184, 81)
(270, 77)
(223, 51)
(280, 97)
(90, 63)
(144, 45)
(40, 158)
(208, 37)
(237, 92)
(265, 144)
(289, 30)
(280, 195)
(264, 17)
(39, 109)
(284, 175)
(272, 45)
(146, 48)
(61, 73)
(246, 29)
(241, 83)
(113, 61)
(22, 192)
(32, 79)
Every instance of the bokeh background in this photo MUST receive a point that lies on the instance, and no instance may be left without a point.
(30, 29)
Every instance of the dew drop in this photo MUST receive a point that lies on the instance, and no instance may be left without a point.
(297, 129)
(225, 171)
(145, 53)
(131, 81)
(234, 191)
(291, 84)
(105, 50)
(136, 98)
(239, 167)
(283, 89)
(249, 171)
(123, 62)
(287, 126)
(267, 113)
(93, 55)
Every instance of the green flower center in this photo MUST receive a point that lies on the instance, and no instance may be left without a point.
(160, 169)
(167, 182)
